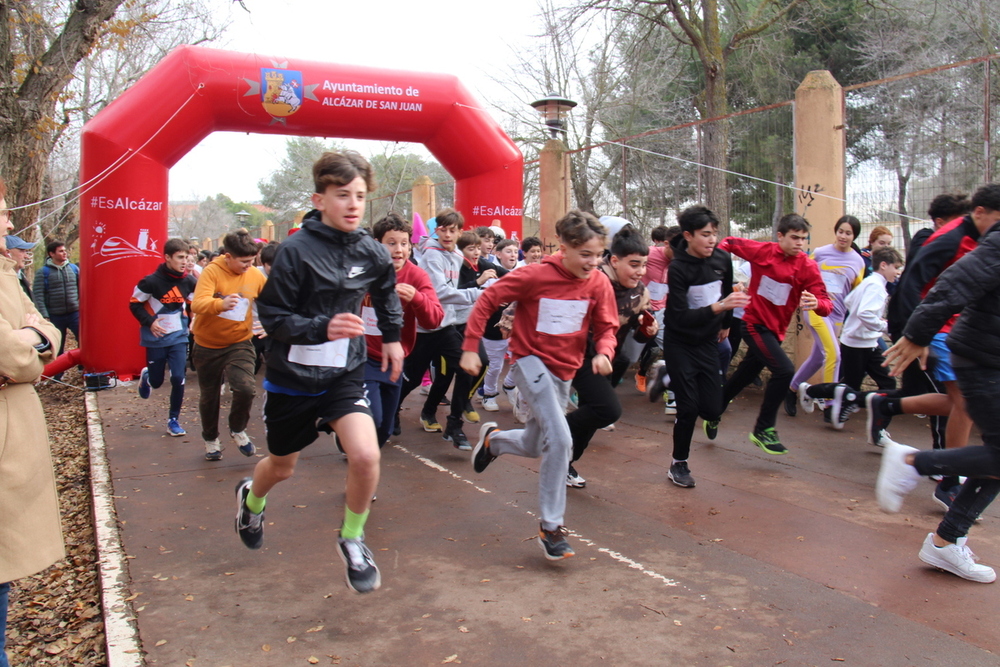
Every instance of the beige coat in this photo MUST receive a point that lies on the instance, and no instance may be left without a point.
(30, 532)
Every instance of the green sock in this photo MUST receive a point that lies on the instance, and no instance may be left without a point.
(255, 504)
(354, 524)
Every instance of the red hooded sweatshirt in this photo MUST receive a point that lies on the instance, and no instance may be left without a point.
(555, 310)
(777, 281)
(424, 309)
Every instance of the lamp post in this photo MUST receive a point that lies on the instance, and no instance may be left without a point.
(553, 167)
(242, 218)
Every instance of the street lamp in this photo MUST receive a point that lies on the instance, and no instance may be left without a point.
(242, 217)
(554, 110)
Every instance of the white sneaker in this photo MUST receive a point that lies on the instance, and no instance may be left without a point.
(671, 406)
(425, 389)
(896, 478)
(522, 413)
(806, 402)
(490, 403)
(244, 444)
(213, 450)
(956, 558)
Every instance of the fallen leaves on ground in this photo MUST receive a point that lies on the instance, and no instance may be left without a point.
(55, 617)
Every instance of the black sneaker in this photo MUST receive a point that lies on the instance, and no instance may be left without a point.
(554, 543)
(711, 428)
(481, 456)
(396, 428)
(791, 403)
(680, 475)
(843, 405)
(878, 420)
(457, 437)
(573, 479)
(654, 384)
(945, 497)
(249, 526)
(362, 573)
(768, 441)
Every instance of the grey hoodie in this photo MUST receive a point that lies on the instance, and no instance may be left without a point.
(443, 267)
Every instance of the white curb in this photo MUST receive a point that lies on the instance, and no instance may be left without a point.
(121, 631)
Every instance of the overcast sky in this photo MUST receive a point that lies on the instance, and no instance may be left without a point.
(449, 36)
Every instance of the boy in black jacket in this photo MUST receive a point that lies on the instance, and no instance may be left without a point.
(316, 365)
(699, 311)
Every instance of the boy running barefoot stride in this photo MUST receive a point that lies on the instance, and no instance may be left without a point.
(558, 302)
(316, 366)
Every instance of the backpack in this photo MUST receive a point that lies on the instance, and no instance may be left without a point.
(46, 270)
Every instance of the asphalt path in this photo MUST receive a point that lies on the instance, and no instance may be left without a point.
(769, 560)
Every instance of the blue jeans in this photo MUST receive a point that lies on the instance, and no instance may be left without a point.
(981, 388)
(157, 361)
(383, 398)
(4, 589)
(69, 321)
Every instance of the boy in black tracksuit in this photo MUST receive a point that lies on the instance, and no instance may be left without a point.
(697, 319)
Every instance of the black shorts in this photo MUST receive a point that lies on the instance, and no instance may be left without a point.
(292, 423)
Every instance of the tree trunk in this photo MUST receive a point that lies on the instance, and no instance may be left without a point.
(715, 143)
(903, 181)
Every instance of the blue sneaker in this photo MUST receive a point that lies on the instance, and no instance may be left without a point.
(174, 428)
(244, 444)
(144, 387)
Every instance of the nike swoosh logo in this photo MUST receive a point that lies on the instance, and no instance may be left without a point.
(355, 271)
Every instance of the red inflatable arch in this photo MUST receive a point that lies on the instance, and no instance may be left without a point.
(128, 149)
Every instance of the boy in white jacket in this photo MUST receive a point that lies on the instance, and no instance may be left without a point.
(859, 353)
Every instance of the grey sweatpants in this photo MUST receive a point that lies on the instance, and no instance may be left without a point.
(546, 434)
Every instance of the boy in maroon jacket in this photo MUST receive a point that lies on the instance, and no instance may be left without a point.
(783, 278)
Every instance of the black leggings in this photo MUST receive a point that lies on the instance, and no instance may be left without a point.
(763, 351)
(696, 380)
(443, 348)
(856, 362)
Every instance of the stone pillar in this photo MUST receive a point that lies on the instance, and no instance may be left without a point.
(423, 198)
(208, 243)
(267, 231)
(553, 190)
(820, 167)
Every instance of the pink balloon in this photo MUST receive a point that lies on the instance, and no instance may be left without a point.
(419, 229)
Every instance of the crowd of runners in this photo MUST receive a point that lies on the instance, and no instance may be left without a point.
(349, 321)
(346, 322)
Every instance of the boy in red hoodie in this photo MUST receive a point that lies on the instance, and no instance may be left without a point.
(783, 278)
(558, 302)
(420, 306)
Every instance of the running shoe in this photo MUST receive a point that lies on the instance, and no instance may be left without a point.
(640, 383)
(768, 441)
(896, 478)
(806, 401)
(573, 479)
(945, 497)
(490, 403)
(246, 447)
(455, 435)
(609, 428)
(481, 456)
(509, 393)
(842, 406)
(956, 558)
(791, 403)
(249, 526)
(877, 420)
(554, 543)
(470, 415)
(397, 428)
(213, 450)
(680, 475)
(144, 387)
(711, 428)
(656, 385)
(174, 428)
(362, 573)
(430, 423)
(670, 408)
(521, 410)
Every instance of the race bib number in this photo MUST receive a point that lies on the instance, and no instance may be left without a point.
(700, 296)
(775, 292)
(239, 312)
(371, 321)
(658, 291)
(169, 322)
(559, 316)
(331, 354)
(834, 282)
